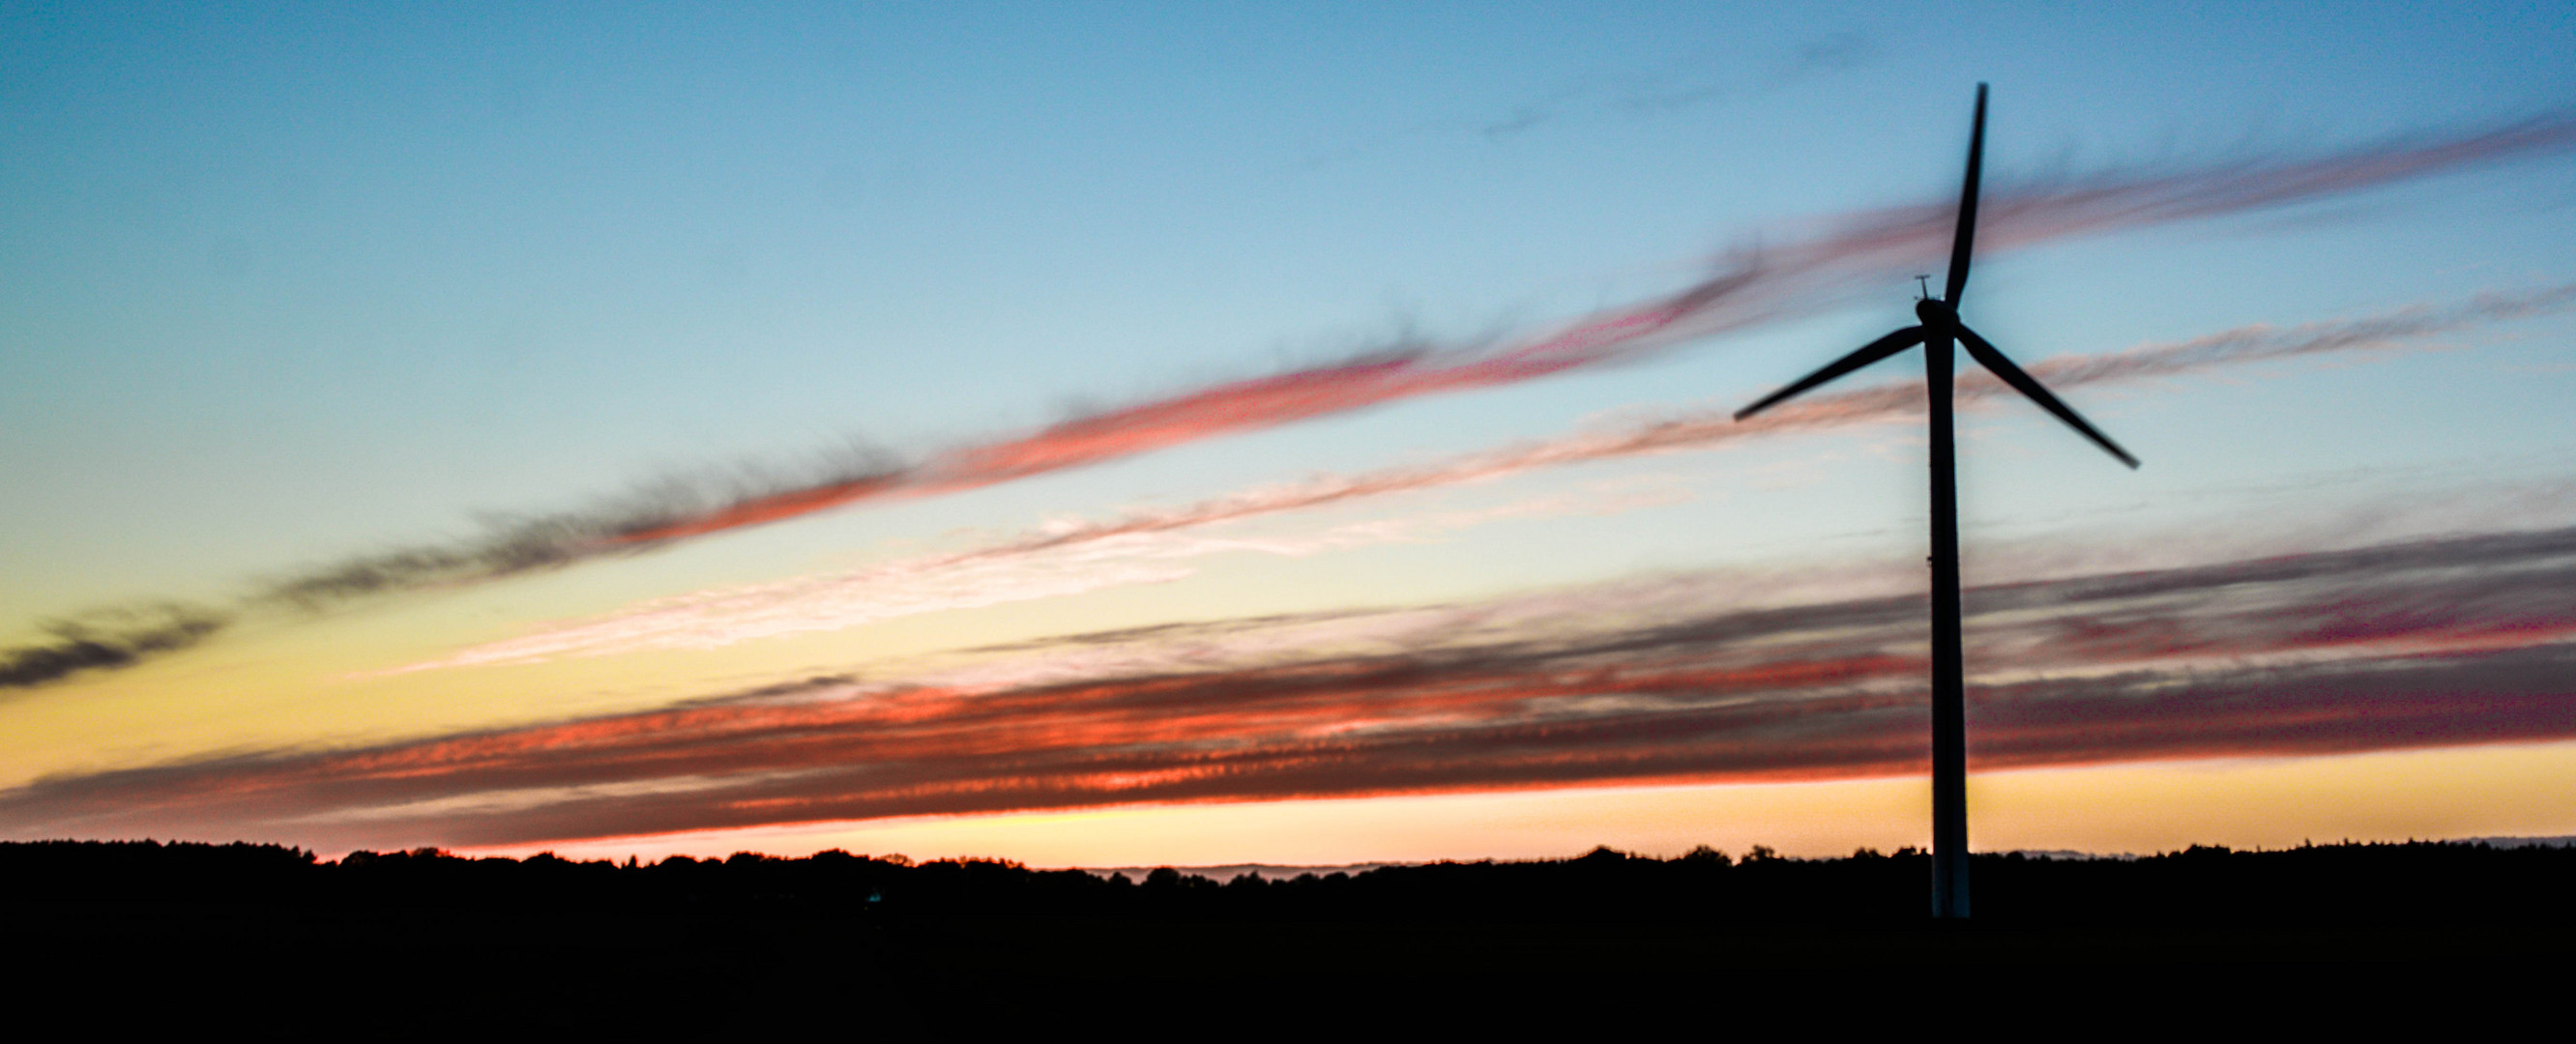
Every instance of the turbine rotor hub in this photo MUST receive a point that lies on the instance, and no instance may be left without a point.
(1936, 314)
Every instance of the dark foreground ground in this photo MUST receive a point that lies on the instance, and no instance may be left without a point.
(208, 936)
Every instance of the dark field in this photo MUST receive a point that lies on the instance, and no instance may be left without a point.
(194, 934)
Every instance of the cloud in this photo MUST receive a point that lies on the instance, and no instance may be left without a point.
(1797, 278)
(107, 639)
(1073, 557)
(666, 510)
(2440, 642)
(1801, 275)
(1671, 87)
(124, 636)
(1057, 562)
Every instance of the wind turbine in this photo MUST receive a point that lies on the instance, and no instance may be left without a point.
(1939, 329)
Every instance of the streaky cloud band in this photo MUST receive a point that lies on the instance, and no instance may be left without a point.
(2438, 642)
(1801, 276)
(1068, 557)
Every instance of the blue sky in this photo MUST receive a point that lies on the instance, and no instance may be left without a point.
(285, 285)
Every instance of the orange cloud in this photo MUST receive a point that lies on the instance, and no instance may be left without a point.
(1799, 277)
(2464, 640)
(1807, 274)
(1054, 561)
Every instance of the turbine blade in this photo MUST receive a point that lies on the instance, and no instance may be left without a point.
(1993, 360)
(1867, 354)
(1964, 240)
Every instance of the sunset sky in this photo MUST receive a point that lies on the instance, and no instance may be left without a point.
(1115, 435)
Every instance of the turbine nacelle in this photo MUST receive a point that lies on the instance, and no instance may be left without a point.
(1937, 315)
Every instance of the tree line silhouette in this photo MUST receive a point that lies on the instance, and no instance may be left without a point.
(2355, 883)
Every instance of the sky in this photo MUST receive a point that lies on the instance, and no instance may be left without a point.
(1115, 435)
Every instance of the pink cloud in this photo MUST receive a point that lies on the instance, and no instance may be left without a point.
(2464, 640)
(1145, 546)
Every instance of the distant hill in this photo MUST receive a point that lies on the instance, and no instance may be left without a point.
(1285, 872)
(2560, 841)
(1230, 871)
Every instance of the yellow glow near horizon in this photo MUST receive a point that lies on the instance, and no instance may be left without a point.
(2141, 808)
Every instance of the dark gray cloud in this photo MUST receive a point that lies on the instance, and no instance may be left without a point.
(506, 546)
(500, 547)
(108, 638)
